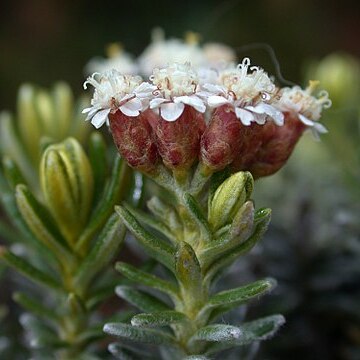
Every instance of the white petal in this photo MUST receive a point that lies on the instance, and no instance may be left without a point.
(99, 119)
(171, 111)
(318, 129)
(260, 118)
(215, 101)
(274, 113)
(144, 90)
(305, 120)
(214, 89)
(154, 103)
(193, 101)
(86, 110)
(246, 117)
(131, 108)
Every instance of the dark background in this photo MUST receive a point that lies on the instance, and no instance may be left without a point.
(42, 41)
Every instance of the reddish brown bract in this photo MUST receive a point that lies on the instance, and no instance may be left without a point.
(135, 139)
(221, 140)
(266, 148)
(179, 141)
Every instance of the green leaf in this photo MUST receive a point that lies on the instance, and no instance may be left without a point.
(11, 145)
(239, 231)
(28, 270)
(34, 306)
(111, 196)
(12, 172)
(143, 301)
(262, 220)
(104, 250)
(198, 215)
(217, 333)
(166, 213)
(97, 157)
(258, 330)
(120, 353)
(40, 335)
(196, 357)
(158, 318)
(134, 274)
(154, 223)
(188, 274)
(142, 335)
(126, 352)
(42, 224)
(156, 248)
(229, 299)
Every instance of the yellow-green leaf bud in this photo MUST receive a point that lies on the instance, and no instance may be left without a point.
(228, 199)
(67, 184)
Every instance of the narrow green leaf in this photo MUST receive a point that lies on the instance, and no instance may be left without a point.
(258, 330)
(198, 215)
(167, 213)
(142, 335)
(196, 357)
(153, 223)
(41, 223)
(143, 301)
(217, 333)
(39, 334)
(240, 230)
(97, 157)
(34, 306)
(262, 221)
(28, 270)
(104, 250)
(12, 146)
(156, 248)
(158, 318)
(21, 231)
(8, 232)
(134, 274)
(76, 305)
(12, 172)
(127, 352)
(111, 196)
(188, 274)
(229, 299)
(120, 353)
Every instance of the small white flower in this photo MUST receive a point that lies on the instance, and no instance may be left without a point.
(122, 62)
(216, 53)
(162, 52)
(177, 86)
(307, 107)
(250, 93)
(115, 91)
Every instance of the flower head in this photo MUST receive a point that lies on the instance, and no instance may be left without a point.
(162, 52)
(116, 59)
(115, 91)
(177, 85)
(307, 107)
(249, 93)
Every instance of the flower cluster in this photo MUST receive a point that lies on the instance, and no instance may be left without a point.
(233, 115)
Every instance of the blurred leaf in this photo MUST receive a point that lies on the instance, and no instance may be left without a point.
(34, 306)
(104, 250)
(42, 225)
(29, 270)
